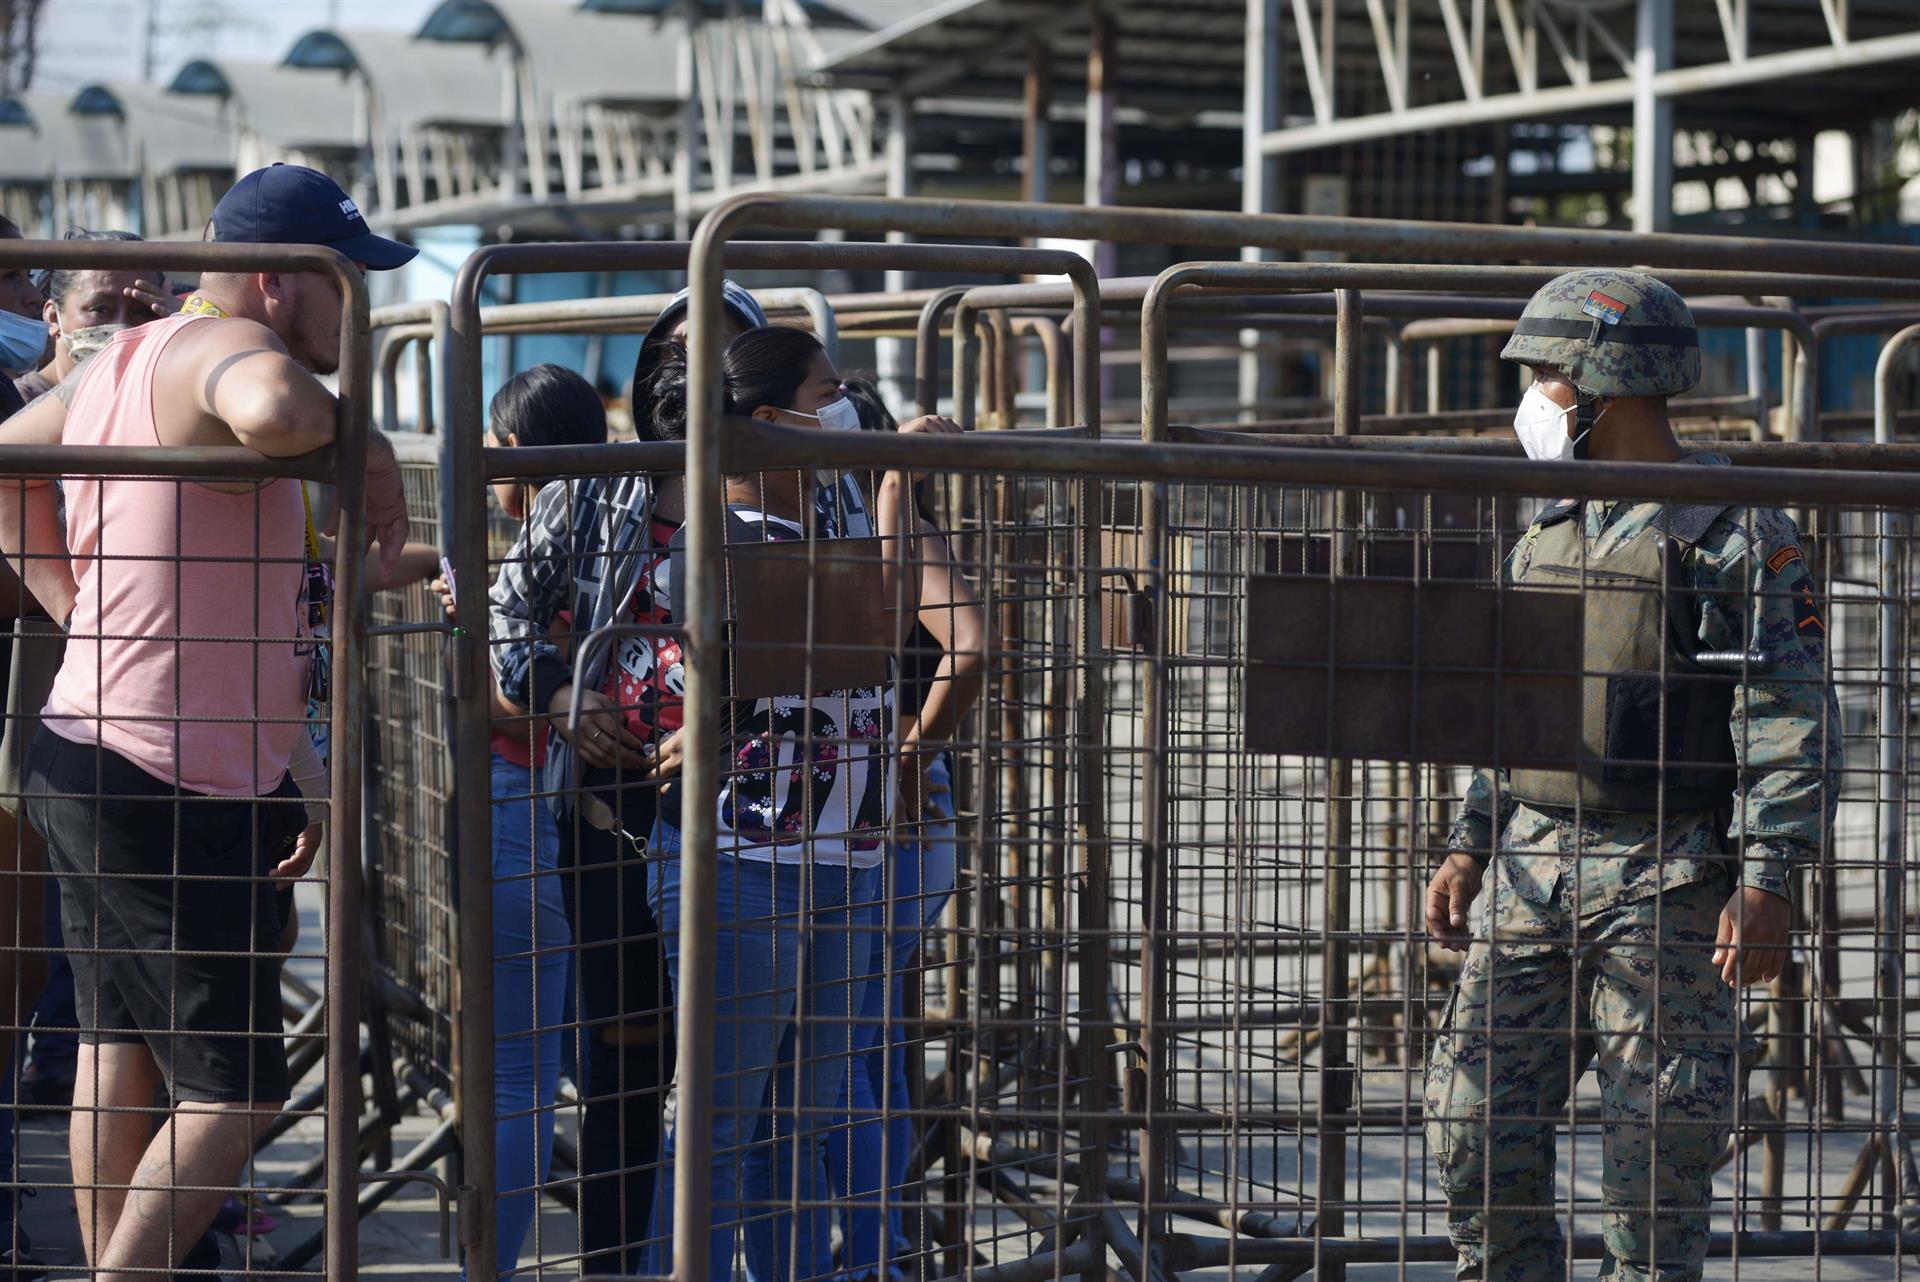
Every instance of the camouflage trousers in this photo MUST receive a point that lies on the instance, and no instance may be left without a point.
(1531, 1011)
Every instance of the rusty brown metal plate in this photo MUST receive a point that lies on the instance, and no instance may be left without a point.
(1403, 671)
(809, 617)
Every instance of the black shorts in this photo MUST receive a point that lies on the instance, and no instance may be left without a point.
(170, 918)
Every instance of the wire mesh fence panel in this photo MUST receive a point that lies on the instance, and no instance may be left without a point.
(410, 788)
(1275, 1015)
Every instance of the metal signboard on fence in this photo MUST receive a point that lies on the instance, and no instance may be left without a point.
(1404, 671)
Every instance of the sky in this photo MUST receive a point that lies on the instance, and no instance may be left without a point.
(87, 40)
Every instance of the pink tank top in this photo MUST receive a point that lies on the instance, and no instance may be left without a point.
(185, 652)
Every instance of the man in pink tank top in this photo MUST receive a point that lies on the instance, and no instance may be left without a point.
(164, 775)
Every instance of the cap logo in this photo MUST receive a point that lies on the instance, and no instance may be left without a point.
(348, 208)
(1603, 308)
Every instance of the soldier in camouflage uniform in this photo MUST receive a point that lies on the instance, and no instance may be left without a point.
(1634, 892)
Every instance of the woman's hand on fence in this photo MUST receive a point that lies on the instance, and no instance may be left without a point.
(1751, 944)
(295, 865)
(439, 588)
(600, 738)
(664, 759)
(932, 425)
(1450, 895)
(917, 787)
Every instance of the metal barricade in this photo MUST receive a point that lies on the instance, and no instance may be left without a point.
(1090, 915)
(1086, 1234)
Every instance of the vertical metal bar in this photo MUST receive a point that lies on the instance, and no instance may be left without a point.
(1263, 106)
(705, 689)
(1037, 125)
(1890, 759)
(1148, 1093)
(1336, 1074)
(1652, 119)
(423, 368)
(1757, 380)
(889, 353)
(343, 869)
(1094, 907)
(820, 315)
(926, 353)
(966, 346)
(464, 524)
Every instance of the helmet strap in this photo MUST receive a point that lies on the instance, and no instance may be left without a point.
(1584, 419)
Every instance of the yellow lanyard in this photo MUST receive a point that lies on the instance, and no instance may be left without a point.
(313, 540)
(198, 306)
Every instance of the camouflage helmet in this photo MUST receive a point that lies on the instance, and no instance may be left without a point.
(1609, 332)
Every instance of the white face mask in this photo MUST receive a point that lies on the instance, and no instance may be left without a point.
(836, 416)
(1541, 426)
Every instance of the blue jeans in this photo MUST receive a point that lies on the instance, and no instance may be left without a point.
(530, 939)
(786, 932)
(861, 1153)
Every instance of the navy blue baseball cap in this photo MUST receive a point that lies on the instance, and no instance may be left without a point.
(293, 205)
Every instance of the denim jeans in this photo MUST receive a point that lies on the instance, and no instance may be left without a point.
(530, 938)
(785, 949)
(860, 1153)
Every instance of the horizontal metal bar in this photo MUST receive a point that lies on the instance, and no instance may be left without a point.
(1845, 455)
(750, 445)
(1434, 241)
(211, 462)
(1185, 1251)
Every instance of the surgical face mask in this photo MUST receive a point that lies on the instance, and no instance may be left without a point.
(1541, 426)
(840, 415)
(23, 341)
(836, 416)
(82, 343)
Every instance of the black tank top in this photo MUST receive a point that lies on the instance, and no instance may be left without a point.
(919, 662)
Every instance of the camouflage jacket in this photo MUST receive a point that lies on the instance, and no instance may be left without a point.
(1754, 592)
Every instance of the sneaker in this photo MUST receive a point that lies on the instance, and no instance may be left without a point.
(17, 1265)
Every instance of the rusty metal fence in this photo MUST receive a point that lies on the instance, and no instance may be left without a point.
(1176, 1014)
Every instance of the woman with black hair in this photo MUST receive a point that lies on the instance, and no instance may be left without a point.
(584, 553)
(807, 788)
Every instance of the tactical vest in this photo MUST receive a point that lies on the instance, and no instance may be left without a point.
(1644, 701)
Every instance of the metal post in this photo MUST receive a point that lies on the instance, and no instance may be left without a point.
(1336, 1074)
(1652, 119)
(890, 354)
(1103, 131)
(344, 906)
(1891, 737)
(1265, 100)
(686, 146)
(1037, 131)
(464, 527)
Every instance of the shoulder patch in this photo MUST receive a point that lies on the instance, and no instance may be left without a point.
(1785, 557)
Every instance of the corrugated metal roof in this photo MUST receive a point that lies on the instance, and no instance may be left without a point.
(174, 131)
(1187, 56)
(418, 82)
(575, 55)
(817, 11)
(24, 151)
(283, 106)
(79, 145)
